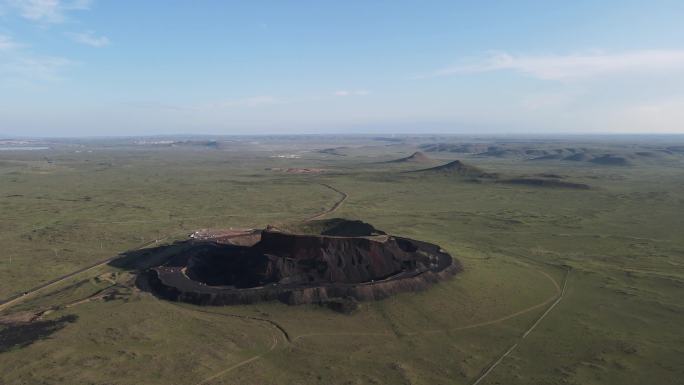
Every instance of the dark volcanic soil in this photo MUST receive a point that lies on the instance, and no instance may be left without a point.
(315, 262)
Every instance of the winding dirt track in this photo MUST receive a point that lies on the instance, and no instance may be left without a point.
(466, 327)
(504, 318)
(558, 295)
(245, 362)
(277, 328)
(494, 364)
(7, 303)
(334, 207)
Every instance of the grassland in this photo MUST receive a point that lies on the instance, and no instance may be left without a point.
(618, 323)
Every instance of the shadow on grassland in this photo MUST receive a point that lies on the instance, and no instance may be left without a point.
(17, 336)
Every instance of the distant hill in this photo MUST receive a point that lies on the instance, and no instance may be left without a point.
(416, 157)
(465, 148)
(611, 160)
(210, 144)
(457, 168)
(552, 183)
(499, 152)
(604, 155)
(386, 139)
(579, 157)
(332, 151)
(548, 157)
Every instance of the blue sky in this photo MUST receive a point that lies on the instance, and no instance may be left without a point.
(80, 67)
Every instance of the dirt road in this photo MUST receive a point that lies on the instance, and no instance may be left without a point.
(279, 332)
(334, 207)
(7, 303)
(527, 332)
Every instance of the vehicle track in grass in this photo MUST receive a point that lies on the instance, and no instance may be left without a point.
(445, 330)
(527, 332)
(334, 207)
(560, 293)
(13, 300)
(239, 364)
(279, 331)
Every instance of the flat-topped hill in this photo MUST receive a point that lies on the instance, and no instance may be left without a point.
(310, 262)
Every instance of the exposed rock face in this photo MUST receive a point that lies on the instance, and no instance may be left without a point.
(302, 267)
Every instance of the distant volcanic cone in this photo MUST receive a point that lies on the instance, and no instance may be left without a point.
(457, 167)
(416, 157)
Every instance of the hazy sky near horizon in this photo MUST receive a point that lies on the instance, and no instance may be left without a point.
(106, 67)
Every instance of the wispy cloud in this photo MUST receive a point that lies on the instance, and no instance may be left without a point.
(90, 38)
(572, 66)
(351, 92)
(47, 11)
(17, 63)
(32, 68)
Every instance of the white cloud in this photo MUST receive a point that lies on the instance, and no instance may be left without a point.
(351, 93)
(47, 11)
(25, 67)
(90, 38)
(19, 64)
(573, 66)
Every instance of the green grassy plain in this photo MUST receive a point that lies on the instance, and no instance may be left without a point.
(618, 323)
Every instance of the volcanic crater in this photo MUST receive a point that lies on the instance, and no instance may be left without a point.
(323, 262)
